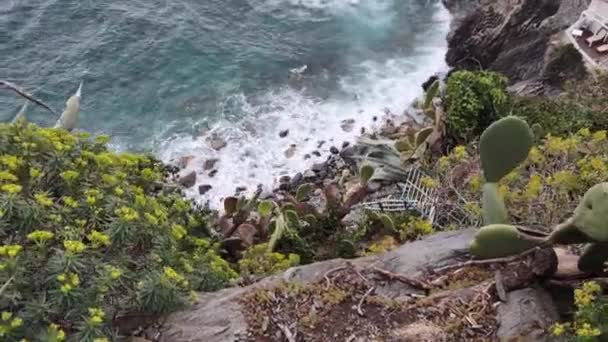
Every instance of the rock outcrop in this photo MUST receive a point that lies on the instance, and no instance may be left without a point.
(514, 37)
(219, 316)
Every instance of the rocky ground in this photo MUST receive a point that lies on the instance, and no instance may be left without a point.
(427, 290)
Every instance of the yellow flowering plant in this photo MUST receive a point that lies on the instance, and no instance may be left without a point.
(541, 190)
(85, 229)
(589, 322)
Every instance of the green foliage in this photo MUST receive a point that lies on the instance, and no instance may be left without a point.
(431, 93)
(503, 146)
(303, 191)
(591, 215)
(365, 173)
(258, 261)
(499, 240)
(86, 233)
(494, 210)
(265, 208)
(589, 322)
(473, 101)
(581, 106)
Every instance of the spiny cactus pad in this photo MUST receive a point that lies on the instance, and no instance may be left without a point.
(500, 240)
(422, 135)
(303, 191)
(493, 207)
(566, 234)
(591, 215)
(593, 258)
(365, 173)
(387, 221)
(503, 146)
(431, 93)
(265, 208)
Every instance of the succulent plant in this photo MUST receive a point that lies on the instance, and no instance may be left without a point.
(585, 226)
(500, 240)
(503, 146)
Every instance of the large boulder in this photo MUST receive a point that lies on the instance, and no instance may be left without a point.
(219, 316)
(499, 35)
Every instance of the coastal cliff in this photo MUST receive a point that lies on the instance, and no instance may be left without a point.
(500, 35)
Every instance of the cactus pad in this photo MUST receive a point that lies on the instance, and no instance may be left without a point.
(303, 191)
(593, 258)
(365, 173)
(493, 207)
(503, 146)
(387, 221)
(500, 240)
(265, 208)
(590, 217)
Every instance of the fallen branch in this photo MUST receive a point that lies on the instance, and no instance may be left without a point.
(406, 280)
(286, 332)
(359, 310)
(333, 270)
(25, 94)
(486, 262)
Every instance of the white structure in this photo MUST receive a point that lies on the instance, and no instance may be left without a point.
(590, 33)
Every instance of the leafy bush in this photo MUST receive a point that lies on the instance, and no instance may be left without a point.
(543, 191)
(87, 233)
(590, 317)
(473, 101)
(582, 105)
(257, 260)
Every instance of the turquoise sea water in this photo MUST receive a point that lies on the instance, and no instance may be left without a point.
(162, 75)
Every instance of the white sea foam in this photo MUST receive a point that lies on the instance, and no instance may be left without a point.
(255, 153)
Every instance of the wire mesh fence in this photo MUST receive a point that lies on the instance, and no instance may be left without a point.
(414, 195)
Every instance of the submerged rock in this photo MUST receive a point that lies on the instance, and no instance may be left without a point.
(184, 161)
(347, 125)
(210, 164)
(284, 133)
(290, 152)
(216, 142)
(188, 180)
(203, 189)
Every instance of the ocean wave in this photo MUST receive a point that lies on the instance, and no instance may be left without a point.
(256, 154)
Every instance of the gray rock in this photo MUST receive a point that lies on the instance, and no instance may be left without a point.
(498, 35)
(307, 156)
(203, 189)
(345, 144)
(320, 143)
(188, 180)
(297, 179)
(210, 164)
(217, 316)
(318, 167)
(289, 152)
(283, 134)
(212, 173)
(316, 153)
(240, 189)
(334, 150)
(527, 315)
(347, 125)
(184, 161)
(308, 174)
(216, 142)
(284, 179)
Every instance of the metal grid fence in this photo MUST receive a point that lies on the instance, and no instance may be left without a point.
(414, 195)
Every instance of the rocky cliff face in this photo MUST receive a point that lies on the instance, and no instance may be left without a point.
(514, 37)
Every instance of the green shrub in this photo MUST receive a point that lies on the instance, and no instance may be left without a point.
(582, 105)
(473, 101)
(541, 192)
(257, 260)
(589, 319)
(86, 233)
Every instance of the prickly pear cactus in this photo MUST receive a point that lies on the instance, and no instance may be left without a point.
(501, 240)
(494, 210)
(503, 146)
(591, 215)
